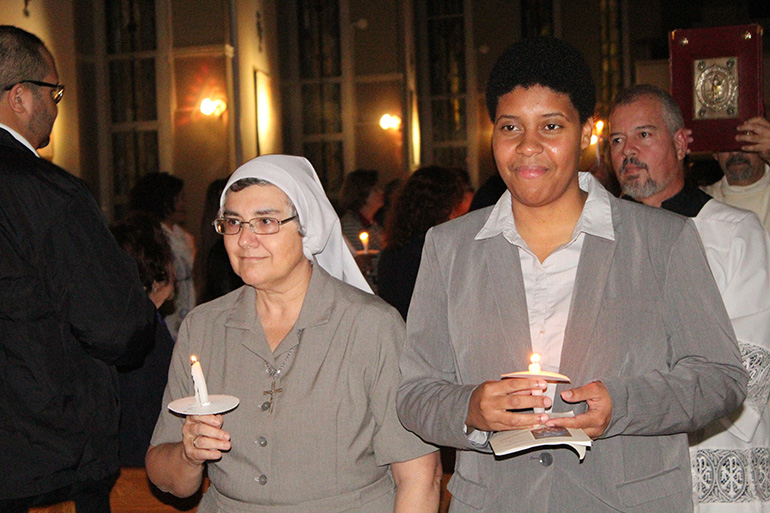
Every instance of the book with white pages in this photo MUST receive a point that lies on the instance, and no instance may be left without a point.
(508, 442)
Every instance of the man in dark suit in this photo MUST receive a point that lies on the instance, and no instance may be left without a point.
(71, 305)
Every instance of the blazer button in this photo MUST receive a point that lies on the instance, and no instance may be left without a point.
(266, 406)
(546, 458)
(262, 441)
(261, 479)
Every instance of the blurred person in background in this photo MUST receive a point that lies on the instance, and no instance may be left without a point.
(213, 274)
(360, 199)
(746, 181)
(431, 196)
(142, 384)
(390, 191)
(162, 195)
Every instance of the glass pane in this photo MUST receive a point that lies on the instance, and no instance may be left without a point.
(134, 154)
(319, 38)
(444, 7)
(130, 25)
(451, 156)
(536, 18)
(322, 108)
(448, 119)
(446, 39)
(326, 157)
(132, 90)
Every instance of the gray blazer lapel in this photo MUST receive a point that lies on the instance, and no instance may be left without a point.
(501, 260)
(592, 273)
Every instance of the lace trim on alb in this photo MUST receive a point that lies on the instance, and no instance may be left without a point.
(722, 475)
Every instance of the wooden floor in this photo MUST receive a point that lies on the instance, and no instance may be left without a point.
(64, 507)
(133, 493)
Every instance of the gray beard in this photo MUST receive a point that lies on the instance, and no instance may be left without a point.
(642, 190)
(635, 189)
(743, 173)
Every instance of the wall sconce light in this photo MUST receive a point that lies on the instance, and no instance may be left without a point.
(213, 107)
(388, 122)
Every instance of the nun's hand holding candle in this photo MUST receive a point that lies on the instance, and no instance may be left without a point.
(312, 355)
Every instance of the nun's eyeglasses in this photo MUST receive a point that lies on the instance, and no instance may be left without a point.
(258, 225)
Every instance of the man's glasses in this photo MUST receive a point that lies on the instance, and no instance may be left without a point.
(57, 90)
(258, 225)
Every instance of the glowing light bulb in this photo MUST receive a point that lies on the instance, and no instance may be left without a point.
(388, 122)
(213, 107)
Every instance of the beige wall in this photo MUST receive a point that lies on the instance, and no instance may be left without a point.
(205, 147)
(52, 22)
(258, 55)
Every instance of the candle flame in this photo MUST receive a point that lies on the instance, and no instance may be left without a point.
(363, 236)
(193, 359)
(534, 368)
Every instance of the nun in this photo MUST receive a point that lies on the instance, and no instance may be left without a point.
(312, 355)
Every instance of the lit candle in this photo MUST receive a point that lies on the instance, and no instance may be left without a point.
(599, 127)
(534, 368)
(201, 392)
(365, 241)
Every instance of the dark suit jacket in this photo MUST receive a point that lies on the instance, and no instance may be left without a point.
(646, 318)
(71, 305)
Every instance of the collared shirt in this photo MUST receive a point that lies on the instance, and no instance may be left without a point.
(332, 429)
(549, 284)
(16, 135)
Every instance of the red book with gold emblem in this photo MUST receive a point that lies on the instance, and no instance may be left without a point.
(716, 78)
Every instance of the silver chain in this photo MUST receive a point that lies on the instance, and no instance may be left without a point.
(276, 373)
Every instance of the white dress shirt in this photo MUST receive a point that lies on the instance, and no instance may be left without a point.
(16, 135)
(549, 284)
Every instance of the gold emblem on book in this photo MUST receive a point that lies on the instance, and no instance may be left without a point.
(715, 82)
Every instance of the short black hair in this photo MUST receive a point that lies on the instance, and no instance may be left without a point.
(155, 193)
(141, 236)
(356, 188)
(21, 56)
(548, 62)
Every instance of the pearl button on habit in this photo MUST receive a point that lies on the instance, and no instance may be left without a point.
(262, 441)
(265, 406)
(261, 479)
(546, 458)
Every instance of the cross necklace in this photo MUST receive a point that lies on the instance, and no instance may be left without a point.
(275, 373)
